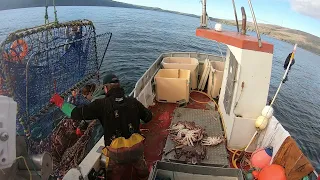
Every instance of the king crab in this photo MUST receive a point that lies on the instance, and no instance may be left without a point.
(186, 133)
(190, 142)
(212, 141)
(194, 154)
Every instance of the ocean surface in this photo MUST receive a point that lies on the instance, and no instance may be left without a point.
(140, 36)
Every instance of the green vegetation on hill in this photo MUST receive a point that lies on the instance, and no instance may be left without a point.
(305, 40)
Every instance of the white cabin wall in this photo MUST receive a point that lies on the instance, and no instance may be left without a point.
(242, 132)
(255, 73)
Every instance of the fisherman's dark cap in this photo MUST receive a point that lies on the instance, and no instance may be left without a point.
(110, 78)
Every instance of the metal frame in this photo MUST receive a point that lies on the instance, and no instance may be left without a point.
(77, 85)
(194, 169)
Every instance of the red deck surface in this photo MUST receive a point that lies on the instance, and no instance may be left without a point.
(156, 130)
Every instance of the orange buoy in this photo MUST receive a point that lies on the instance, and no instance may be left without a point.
(272, 172)
(19, 49)
(261, 158)
(255, 174)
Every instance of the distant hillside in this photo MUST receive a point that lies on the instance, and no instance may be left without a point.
(305, 40)
(14, 4)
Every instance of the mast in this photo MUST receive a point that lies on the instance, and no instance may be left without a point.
(204, 17)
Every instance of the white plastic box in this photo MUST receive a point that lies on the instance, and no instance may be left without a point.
(191, 64)
(172, 85)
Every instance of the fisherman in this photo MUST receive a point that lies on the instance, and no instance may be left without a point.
(91, 93)
(73, 98)
(285, 66)
(120, 117)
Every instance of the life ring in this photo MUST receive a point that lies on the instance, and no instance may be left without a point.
(19, 49)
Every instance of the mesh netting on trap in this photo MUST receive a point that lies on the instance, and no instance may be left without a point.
(38, 62)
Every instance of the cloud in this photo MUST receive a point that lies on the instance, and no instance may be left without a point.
(307, 7)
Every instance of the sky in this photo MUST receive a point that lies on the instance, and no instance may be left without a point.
(303, 15)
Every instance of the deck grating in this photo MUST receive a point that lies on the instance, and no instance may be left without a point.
(217, 155)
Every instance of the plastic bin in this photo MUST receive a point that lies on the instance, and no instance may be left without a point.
(191, 64)
(172, 85)
(168, 170)
(215, 78)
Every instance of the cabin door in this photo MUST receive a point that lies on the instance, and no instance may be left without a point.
(232, 71)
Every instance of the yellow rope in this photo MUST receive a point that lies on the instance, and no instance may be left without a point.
(222, 120)
(200, 102)
(233, 160)
(25, 162)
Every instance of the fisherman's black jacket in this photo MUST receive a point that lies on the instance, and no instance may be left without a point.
(119, 115)
(287, 61)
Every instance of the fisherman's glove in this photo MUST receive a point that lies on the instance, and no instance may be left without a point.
(59, 102)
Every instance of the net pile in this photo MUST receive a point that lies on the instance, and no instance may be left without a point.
(38, 62)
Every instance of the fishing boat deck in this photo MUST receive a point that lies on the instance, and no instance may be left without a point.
(156, 131)
(164, 114)
(209, 120)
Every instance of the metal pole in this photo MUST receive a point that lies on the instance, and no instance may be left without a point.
(27, 103)
(46, 17)
(55, 12)
(255, 24)
(105, 51)
(204, 22)
(244, 21)
(27, 84)
(235, 14)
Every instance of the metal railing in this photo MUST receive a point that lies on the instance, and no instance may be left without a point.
(235, 14)
(255, 23)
